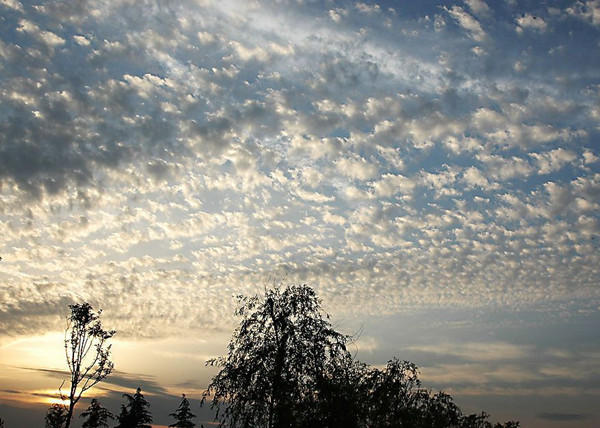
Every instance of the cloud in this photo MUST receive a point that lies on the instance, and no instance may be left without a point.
(479, 351)
(159, 157)
(563, 417)
(336, 15)
(357, 168)
(13, 4)
(530, 22)
(474, 177)
(587, 10)
(158, 161)
(47, 37)
(366, 8)
(500, 168)
(479, 7)
(392, 184)
(468, 22)
(553, 160)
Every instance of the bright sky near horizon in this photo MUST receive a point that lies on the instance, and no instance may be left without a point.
(431, 168)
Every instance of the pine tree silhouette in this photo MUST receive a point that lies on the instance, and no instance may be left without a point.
(56, 416)
(183, 415)
(97, 416)
(135, 414)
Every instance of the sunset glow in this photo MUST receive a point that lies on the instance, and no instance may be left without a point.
(430, 168)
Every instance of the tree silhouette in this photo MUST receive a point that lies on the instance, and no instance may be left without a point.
(286, 367)
(183, 416)
(340, 395)
(97, 416)
(135, 414)
(56, 416)
(392, 395)
(277, 361)
(123, 418)
(87, 353)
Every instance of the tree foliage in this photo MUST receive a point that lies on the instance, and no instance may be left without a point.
(183, 416)
(56, 416)
(277, 361)
(96, 416)
(87, 352)
(135, 413)
(395, 398)
(286, 367)
(391, 394)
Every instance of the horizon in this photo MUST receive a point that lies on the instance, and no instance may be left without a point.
(431, 169)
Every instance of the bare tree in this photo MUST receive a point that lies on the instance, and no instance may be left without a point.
(87, 353)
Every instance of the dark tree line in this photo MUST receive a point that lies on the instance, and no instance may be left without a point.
(286, 367)
(87, 353)
(135, 413)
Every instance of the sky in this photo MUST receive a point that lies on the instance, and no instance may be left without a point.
(431, 169)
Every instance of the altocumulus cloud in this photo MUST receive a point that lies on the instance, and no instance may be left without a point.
(158, 157)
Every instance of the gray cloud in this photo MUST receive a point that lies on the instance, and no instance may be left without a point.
(558, 417)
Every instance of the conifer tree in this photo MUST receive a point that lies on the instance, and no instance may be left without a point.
(123, 418)
(97, 416)
(183, 415)
(135, 414)
(56, 416)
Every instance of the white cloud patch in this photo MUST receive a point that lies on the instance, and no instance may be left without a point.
(81, 40)
(367, 8)
(357, 168)
(479, 7)
(586, 10)
(530, 22)
(48, 37)
(500, 168)
(468, 22)
(246, 53)
(392, 184)
(12, 4)
(474, 177)
(553, 160)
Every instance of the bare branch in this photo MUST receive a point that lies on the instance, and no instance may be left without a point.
(87, 353)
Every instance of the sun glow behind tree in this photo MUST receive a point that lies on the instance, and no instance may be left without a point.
(432, 168)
